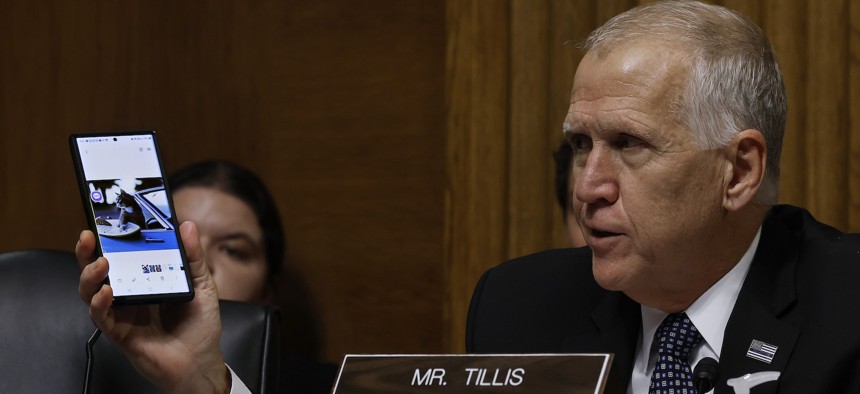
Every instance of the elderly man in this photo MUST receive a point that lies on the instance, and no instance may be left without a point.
(676, 121)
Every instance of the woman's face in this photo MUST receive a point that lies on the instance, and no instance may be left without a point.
(231, 238)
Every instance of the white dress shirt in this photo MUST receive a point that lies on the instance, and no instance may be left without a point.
(237, 386)
(709, 313)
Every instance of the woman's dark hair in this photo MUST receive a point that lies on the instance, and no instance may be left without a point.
(243, 184)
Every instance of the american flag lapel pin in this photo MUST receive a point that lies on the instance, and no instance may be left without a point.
(761, 351)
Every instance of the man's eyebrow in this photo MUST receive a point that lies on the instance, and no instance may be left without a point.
(566, 128)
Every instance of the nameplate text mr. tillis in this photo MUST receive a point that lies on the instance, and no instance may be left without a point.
(473, 373)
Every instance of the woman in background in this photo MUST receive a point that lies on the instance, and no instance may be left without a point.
(241, 233)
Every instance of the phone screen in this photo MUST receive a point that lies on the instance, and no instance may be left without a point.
(129, 209)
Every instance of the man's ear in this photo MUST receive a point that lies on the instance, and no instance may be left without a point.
(747, 156)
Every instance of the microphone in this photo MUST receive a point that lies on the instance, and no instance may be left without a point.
(705, 375)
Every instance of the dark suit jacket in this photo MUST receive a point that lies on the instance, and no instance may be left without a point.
(801, 294)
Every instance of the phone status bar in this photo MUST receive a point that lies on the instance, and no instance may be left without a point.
(111, 138)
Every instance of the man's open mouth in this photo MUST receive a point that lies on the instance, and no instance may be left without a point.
(603, 234)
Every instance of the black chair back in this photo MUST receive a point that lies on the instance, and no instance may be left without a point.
(46, 326)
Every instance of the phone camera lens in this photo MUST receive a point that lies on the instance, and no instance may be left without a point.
(114, 138)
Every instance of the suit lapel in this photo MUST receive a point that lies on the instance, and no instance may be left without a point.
(615, 326)
(768, 293)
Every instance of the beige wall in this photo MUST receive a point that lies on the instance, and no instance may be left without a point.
(407, 142)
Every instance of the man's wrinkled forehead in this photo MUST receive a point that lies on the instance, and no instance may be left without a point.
(631, 69)
(643, 75)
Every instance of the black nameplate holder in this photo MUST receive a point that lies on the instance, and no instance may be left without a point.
(473, 373)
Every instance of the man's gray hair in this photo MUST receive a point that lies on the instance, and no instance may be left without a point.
(735, 83)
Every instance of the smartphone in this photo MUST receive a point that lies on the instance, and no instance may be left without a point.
(128, 207)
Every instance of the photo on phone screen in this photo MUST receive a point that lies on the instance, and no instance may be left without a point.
(129, 209)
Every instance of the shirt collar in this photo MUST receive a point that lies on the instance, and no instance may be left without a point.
(710, 312)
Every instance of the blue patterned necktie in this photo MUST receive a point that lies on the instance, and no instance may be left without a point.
(675, 338)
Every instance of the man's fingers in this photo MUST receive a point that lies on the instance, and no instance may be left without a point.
(193, 250)
(191, 241)
(100, 309)
(85, 247)
(92, 277)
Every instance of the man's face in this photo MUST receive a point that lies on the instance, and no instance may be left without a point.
(646, 197)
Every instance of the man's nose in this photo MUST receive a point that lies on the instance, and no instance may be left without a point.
(597, 179)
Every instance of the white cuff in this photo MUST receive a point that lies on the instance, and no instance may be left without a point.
(236, 385)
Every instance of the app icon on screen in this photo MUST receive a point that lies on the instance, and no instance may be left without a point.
(97, 196)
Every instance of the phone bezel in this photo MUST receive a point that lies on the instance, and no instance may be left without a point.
(88, 210)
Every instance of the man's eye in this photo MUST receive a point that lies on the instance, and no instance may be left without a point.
(625, 141)
(580, 143)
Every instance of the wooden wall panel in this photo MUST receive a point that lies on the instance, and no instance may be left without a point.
(476, 196)
(827, 111)
(854, 116)
(752, 9)
(792, 58)
(359, 149)
(337, 104)
(530, 163)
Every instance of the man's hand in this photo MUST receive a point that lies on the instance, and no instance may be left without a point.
(175, 346)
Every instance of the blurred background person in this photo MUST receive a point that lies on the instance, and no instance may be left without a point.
(243, 239)
(564, 183)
